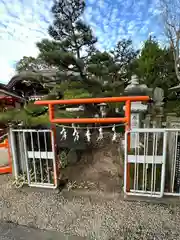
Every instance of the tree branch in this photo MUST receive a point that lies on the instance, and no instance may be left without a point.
(172, 31)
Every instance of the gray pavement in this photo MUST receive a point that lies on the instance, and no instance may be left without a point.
(10, 231)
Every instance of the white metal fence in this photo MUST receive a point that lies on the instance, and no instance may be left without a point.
(34, 156)
(154, 163)
(151, 168)
(173, 163)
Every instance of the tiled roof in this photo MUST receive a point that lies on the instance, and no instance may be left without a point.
(11, 93)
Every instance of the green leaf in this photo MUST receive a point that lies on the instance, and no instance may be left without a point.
(76, 93)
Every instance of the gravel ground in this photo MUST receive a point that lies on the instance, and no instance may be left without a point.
(94, 218)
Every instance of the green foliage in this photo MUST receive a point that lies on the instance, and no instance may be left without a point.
(112, 69)
(26, 63)
(23, 116)
(124, 55)
(114, 65)
(70, 35)
(155, 65)
(34, 110)
(30, 63)
(149, 62)
(39, 120)
(8, 116)
(76, 93)
(173, 107)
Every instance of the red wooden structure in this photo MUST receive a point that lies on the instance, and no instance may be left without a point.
(8, 168)
(6, 102)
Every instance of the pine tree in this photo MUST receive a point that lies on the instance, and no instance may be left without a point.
(82, 70)
(155, 65)
(72, 44)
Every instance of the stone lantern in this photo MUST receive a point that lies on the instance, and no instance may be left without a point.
(103, 107)
(137, 108)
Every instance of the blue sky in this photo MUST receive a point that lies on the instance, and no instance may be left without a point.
(24, 22)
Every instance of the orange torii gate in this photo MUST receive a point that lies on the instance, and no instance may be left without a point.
(126, 119)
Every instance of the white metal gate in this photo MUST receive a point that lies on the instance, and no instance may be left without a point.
(152, 167)
(172, 184)
(33, 155)
(144, 168)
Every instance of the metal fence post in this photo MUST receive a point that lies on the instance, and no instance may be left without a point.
(164, 163)
(14, 153)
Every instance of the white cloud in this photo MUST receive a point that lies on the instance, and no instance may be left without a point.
(13, 51)
(131, 25)
(24, 22)
(102, 4)
(144, 30)
(154, 11)
(6, 72)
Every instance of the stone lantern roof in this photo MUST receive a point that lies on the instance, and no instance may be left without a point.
(136, 89)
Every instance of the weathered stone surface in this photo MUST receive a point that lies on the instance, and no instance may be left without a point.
(72, 156)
